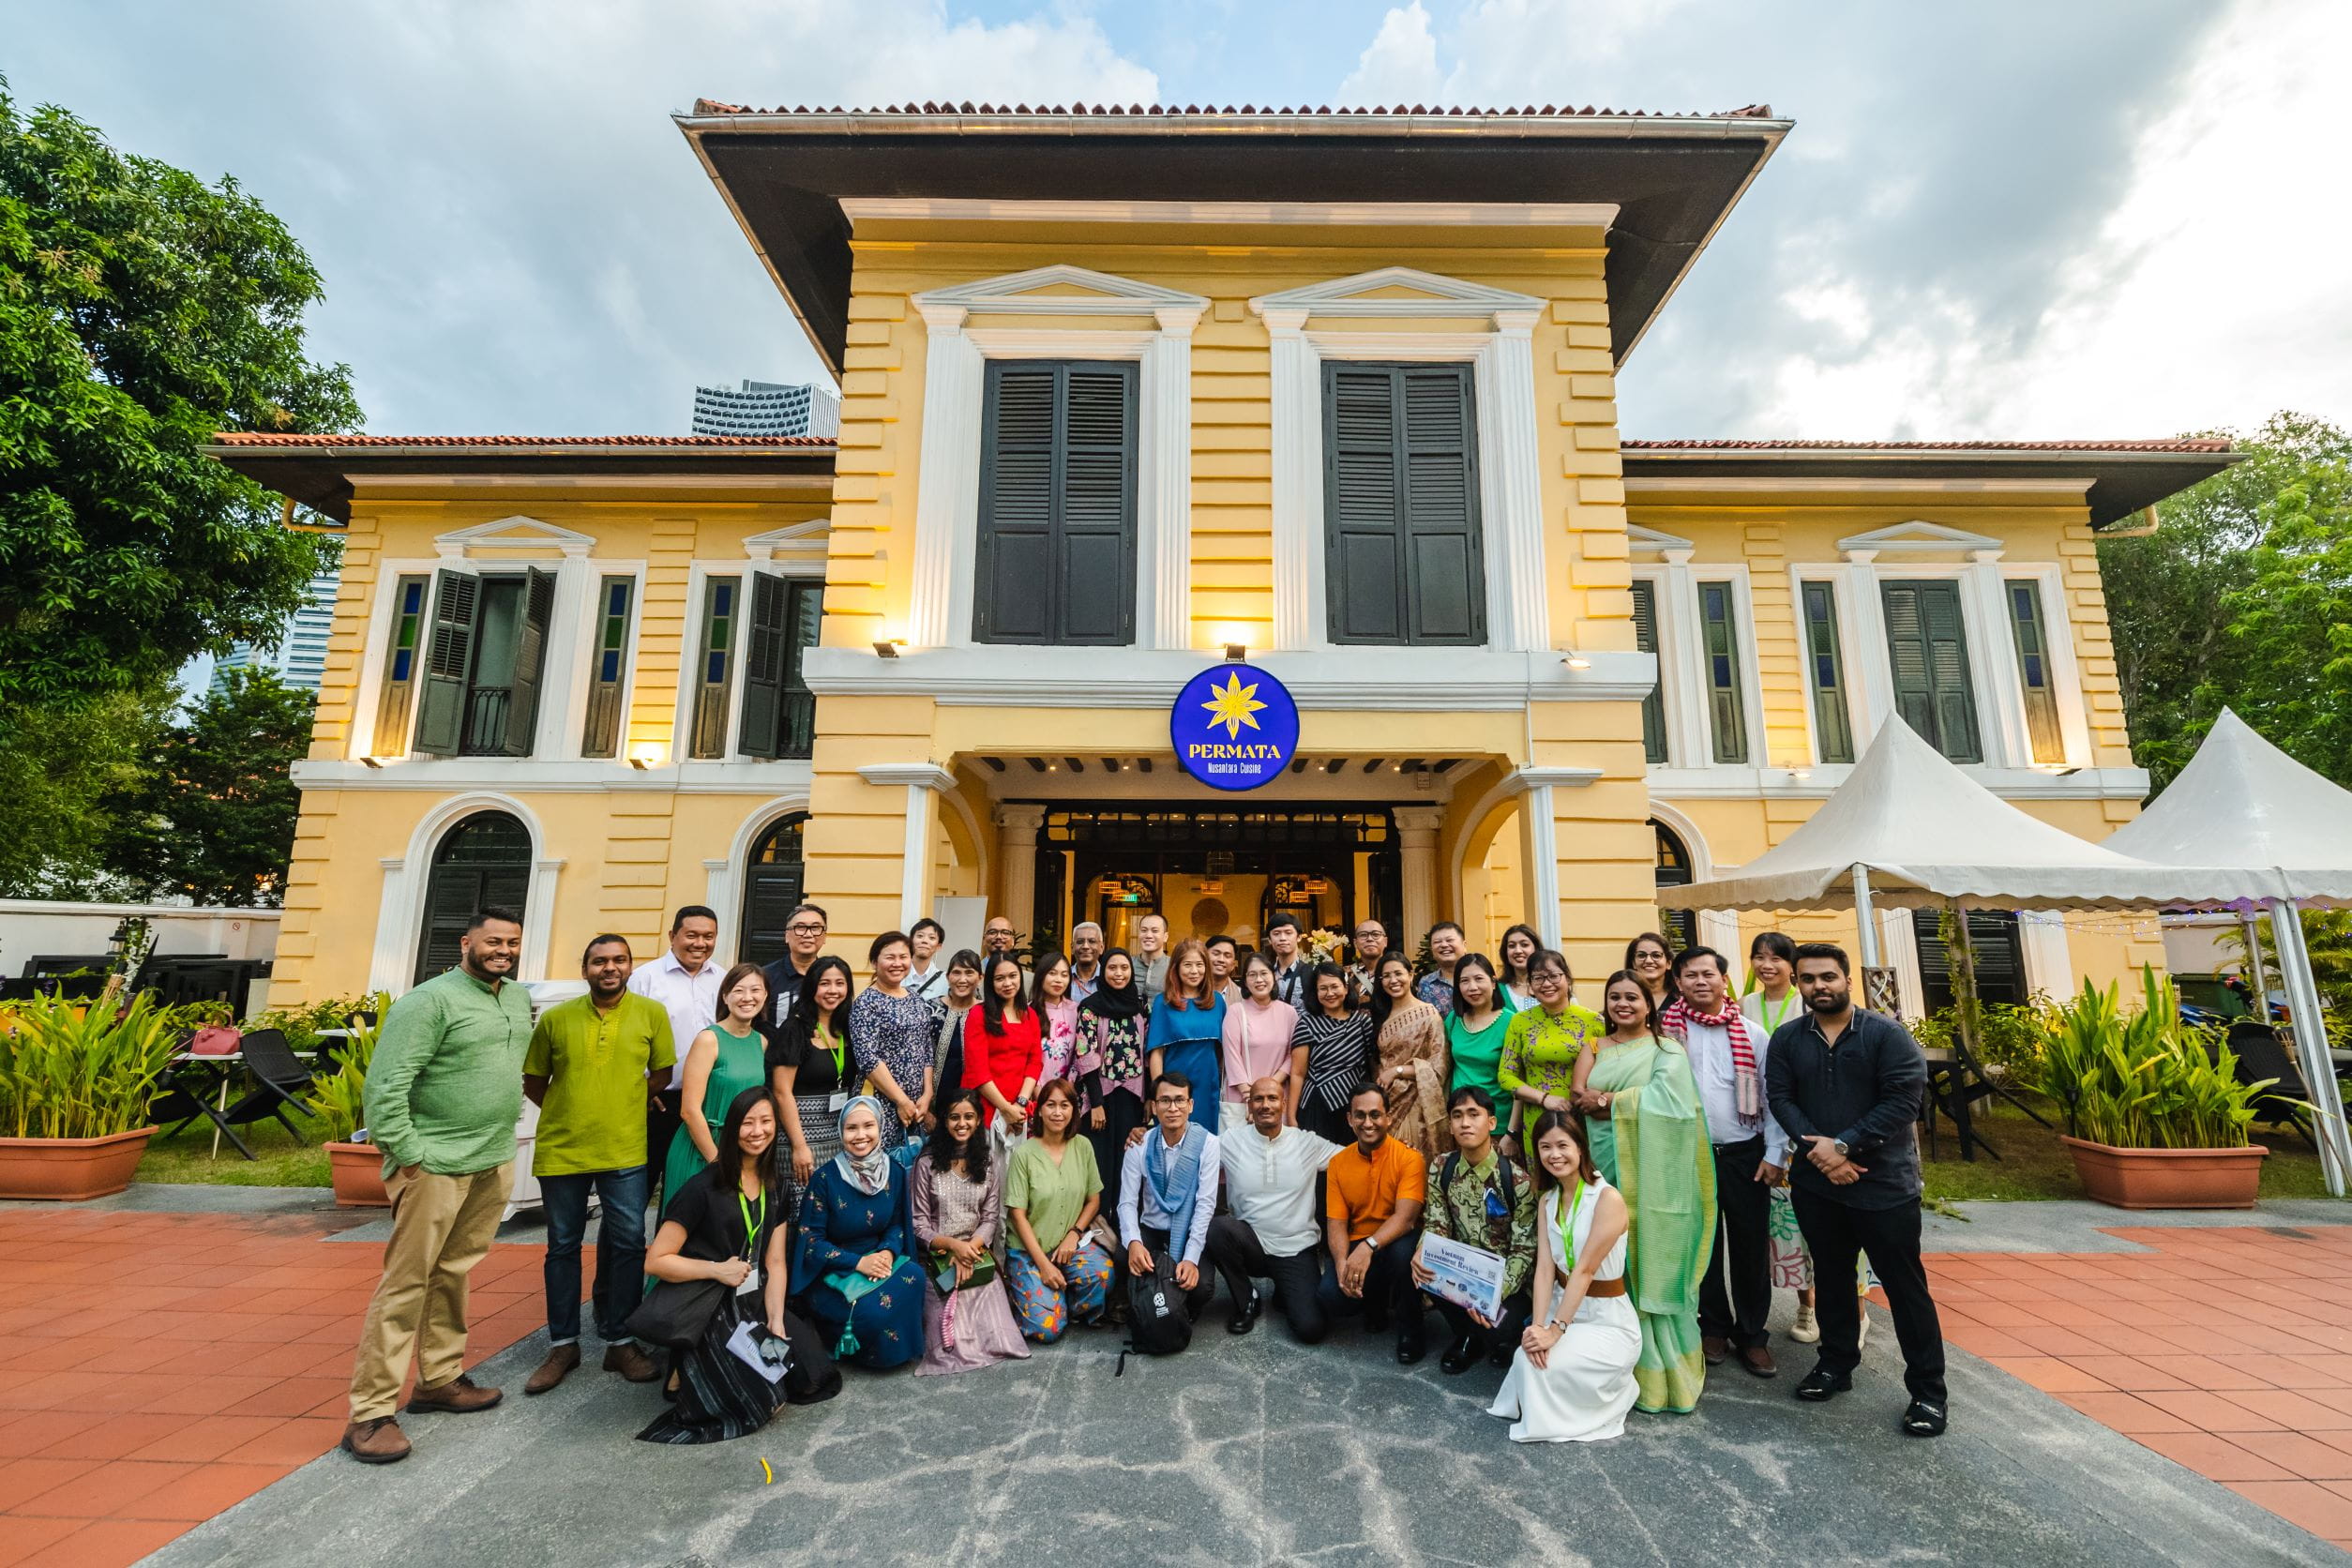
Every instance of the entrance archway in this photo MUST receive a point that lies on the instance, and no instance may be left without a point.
(1674, 871)
(774, 875)
(483, 860)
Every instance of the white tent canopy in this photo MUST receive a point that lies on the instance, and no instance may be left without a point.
(1926, 835)
(2243, 802)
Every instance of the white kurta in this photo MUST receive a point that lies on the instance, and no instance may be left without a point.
(1583, 1394)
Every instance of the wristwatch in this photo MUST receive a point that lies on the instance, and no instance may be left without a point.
(1838, 1144)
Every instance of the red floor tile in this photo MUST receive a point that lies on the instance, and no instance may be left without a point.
(2308, 1503)
(105, 1491)
(2213, 1456)
(22, 1538)
(24, 1481)
(2128, 1373)
(119, 1436)
(107, 1543)
(2296, 1411)
(2213, 1412)
(2126, 1412)
(2300, 1454)
(206, 1490)
(2050, 1375)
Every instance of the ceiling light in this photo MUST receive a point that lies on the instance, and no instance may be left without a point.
(1576, 660)
(1236, 652)
(884, 649)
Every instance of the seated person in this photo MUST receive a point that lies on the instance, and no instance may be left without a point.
(1168, 1191)
(1572, 1379)
(958, 1208)
(1270, 1174)
(1058, 1270)
(1481, 1198)
(1372, 1208)
(858, 1273)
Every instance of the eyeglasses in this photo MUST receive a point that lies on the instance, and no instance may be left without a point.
(805, 929)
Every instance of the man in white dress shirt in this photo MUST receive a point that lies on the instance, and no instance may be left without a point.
(1168, 1191)
(1086, 959)
(685, 982)
(1272, 1231)
(1751, 1155)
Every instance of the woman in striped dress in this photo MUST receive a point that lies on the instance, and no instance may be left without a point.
(811, 1071)
(1330, 1057)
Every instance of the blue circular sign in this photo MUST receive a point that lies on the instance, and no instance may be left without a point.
(1234, 727)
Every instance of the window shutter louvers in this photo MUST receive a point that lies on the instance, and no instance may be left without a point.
(448, 663)
(1654, 745)
(522, 701)
(763, 665)
(1058, 505)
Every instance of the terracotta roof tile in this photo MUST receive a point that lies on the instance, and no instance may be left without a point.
(684, 443)
(1170, 110)
(2189, 443)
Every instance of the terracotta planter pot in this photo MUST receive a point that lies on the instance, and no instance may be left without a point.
(69, 1170)
(358, 1173)
(2168, 1178)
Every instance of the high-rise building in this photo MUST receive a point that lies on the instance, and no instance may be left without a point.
(300, 659)
(766, 408)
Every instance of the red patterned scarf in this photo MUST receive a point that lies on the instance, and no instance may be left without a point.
(1746, 1082)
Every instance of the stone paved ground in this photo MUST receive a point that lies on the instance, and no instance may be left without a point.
(128, 1419)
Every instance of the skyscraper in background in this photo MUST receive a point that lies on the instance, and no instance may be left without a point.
(766, 408)
(300, 659)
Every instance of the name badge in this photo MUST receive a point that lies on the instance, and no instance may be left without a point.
(840, 1098)
(750, 1282)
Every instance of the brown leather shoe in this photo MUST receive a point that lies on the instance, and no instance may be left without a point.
(630, 1362)
(1759, 1360)
(1716, 1350)
(560, 1364)
(460, 1395)
(375, 1442)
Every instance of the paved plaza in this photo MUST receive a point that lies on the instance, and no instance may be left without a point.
(176, 1427)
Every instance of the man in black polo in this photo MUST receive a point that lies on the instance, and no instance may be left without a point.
(1845, 1086)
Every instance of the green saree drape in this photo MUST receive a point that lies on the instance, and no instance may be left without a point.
(1653, 1148)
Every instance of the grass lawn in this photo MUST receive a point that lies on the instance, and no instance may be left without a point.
(282, 1162)
(2035, 1165)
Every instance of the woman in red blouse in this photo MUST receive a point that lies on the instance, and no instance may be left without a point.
(1002, 1052)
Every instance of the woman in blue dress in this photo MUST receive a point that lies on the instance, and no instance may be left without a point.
(1188, 1031)
(892, 1034)
(863, 1288)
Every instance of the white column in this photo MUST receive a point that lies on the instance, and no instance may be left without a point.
(1017, 862)
(1164, 566)
(538, 920)
(1683, 666)
(2001, 695)
(921, 780)
(1417, 840)
(951, 470)
(390, 967)
(1514, 571)
(1298, 482)
(1865, 919)
(1539, 841)
(1866, 612)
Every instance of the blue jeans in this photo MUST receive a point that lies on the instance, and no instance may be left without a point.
(620, 1249)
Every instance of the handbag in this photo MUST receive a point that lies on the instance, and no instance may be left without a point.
(676, 1314)
(1157, 1324)
(982, 1271)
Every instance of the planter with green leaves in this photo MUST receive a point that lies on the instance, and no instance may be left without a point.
(2155, 1116)
(75, 1084)
(340, 1100)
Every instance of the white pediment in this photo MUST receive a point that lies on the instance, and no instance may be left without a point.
(797, 541)
(1060, 290)
(1650, 541)
(1396, 291)
(1917, 537)
(512, 534)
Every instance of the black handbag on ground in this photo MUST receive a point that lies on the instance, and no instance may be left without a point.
(674, 1313)
(1157, 1323)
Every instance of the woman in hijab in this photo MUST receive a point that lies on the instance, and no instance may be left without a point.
(864, 1288)
(1110, 1032)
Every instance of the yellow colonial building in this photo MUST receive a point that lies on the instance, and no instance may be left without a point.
(1124, 394)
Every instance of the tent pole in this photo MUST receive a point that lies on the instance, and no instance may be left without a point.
(2254, 975)
(2311, 1042)
(1865, 919)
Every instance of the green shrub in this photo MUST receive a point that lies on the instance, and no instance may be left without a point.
(337, 1100)
(75, 1070)
(2145, 1079)
(2012, 1034)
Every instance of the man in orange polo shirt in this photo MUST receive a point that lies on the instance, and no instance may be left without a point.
(1374, 1193)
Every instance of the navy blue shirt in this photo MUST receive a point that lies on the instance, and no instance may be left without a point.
(1863, 1092)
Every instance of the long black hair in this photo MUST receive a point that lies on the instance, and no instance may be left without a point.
(728, 1168)
(1571, 1123)
(1648, 1003)
(992, 1006)
(800, 1026)
(1503, 954)
(945, 1148)
(1382, 1003)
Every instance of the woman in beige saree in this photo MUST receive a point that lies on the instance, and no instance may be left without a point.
(1414, 1062)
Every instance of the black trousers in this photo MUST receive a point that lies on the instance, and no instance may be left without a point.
(663, 1118)
(1743, 1224)
(1389, 1291)
(1834, 1232)
(1507, 1329)
(1197, 1299)
(1242, 1260)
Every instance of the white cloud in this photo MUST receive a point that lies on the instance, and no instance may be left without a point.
(1398, 67)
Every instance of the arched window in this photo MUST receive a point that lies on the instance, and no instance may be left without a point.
(1674, 871)
(771, 886)
(483, 859)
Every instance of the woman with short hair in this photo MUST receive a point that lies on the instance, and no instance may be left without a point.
(926, 978)
(726, 1059)
(1651, 957)
(859, 1277)
(1060, 1273)
(1255, 1039)
(954, 1005)
(1332, 1056)
(958, 1199)
(891, 1034)
(1187, 1030)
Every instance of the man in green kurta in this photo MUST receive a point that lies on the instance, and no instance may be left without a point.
(444, 1089)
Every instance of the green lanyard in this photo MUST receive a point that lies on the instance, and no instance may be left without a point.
(750, 1230)
(1568, 1212)
(841, 1060)
(1774, 1020)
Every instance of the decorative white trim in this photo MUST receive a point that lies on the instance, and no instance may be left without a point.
(1747, 484)
(400, 905)
(1682, 659)
(796, 566)
(514, 532)
(2129, 784)
(1492, 215)
(1667, 815)
(1348, 297)
(723, 880)
(1540, 837)
(797, 541)
(1015, 293)
(921, 780)
(1650, 541)
(559, 776)
(1916, 538)
(1852, 666)
(587, 615)
(913, 775)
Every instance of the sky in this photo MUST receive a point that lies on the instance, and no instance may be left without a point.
(2084, 220)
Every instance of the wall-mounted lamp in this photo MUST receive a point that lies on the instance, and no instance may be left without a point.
(1236, 652)
(644, 756)
(888, 647)
(1801, 775)
(640, 763)
(1576, 660)
(2061, 770)
(371, 762)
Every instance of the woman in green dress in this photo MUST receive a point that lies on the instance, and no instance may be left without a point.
(1648, 1137)
(1541, 1045)
(725, 1060)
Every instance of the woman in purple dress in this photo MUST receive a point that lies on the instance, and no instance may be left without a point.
(958, 1210)
(892, 1031)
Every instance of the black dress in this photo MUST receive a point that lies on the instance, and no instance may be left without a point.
(717, 1396)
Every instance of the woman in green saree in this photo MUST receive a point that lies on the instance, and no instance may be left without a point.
(1649, 1139)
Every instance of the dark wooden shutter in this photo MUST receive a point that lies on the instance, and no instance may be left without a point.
(1832, 723)
(448, 663)
(1928, 649)
(1719, 625)
(1653, 743)
(2001, 957)
(1056, 557)
(799, 721)
(1401, 504)
(522, 701)
(483, 861)
(772, 882)
(763, 665)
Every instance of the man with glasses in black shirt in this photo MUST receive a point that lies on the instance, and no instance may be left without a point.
(804, 940)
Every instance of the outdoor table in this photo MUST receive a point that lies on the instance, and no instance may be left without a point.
(223, 1068)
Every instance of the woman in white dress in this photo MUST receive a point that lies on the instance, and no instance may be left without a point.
(1572, 1379)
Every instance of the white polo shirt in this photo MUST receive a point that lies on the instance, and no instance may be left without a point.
(1270, 1183)
(690, 1000)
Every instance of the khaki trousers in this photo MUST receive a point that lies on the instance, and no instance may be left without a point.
(442, 1226)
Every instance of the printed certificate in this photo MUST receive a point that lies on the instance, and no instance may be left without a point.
(1466, 1275)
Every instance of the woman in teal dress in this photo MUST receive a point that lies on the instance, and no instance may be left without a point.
(1648, 1137)
(1187, 1030)
(726, 1059)
(857, 1274)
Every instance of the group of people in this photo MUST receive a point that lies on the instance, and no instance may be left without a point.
(973, 1154)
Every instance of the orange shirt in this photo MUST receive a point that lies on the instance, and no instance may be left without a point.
(1365, 1192)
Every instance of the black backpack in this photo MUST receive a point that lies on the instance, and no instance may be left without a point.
(1156, 1322)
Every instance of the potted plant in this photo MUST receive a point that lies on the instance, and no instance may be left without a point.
(75, 1083)
(2155, 1116)
(340, 1101)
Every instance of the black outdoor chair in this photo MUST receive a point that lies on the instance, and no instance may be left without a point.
(179, 1105)
(281, 1080)
(2262, 1055)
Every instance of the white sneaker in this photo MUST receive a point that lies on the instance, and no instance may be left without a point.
(1806, 1331)
(1863, 1336)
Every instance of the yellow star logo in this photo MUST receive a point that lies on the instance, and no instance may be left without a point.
(1233, 705)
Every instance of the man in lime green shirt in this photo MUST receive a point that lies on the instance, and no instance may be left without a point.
(587, 1071)
(444, 1088)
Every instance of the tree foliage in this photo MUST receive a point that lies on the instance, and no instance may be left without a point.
(140, 311)
(2242, 598)
(212, 818)
(57, 766)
